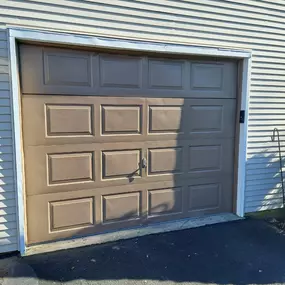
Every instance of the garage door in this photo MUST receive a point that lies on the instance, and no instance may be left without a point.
(115, 141)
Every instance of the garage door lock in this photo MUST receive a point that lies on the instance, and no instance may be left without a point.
(241, 116)
(144, 163)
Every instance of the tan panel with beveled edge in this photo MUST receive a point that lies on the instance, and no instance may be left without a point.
(165, 119)
(165, 160)
(121, 119)
(69, 120)
(111, 74)
(166, 74)
(70, 167)
(164, 201)
(121, 207)
(115, 141)
(65, 68)
(119, 164)
(70, 214)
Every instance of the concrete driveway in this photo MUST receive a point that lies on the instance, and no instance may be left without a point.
(241, 252)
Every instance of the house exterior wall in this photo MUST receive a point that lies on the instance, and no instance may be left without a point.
(255, 24)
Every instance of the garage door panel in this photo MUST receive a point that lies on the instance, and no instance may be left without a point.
(67, 68)
(60, 168)
(165, 201)
(51, 169)
(58, 120)
(70, 168)
(69, 120)
(111, 75)
(210, 157)
(121, 119)
(212, 80)
(110, 208)
(57, 71)
(212, 118)
(117, 164)
(210, 195)
(165, 119)
(167, 74)
(121, 207)
(165, 160)
(55, 120)
(47, 70)
(71, 214)
(114, 141)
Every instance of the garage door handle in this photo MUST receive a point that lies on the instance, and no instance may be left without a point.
(144, 163)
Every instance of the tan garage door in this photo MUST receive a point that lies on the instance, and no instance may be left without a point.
(115, 141)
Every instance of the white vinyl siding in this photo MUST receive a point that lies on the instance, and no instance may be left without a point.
(8, 218)
(257, 25)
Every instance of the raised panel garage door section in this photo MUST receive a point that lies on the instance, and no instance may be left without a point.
(115, 141)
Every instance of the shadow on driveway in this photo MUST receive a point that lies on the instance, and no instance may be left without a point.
(242, 252)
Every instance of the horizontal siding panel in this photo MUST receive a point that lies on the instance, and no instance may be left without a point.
(265, 176)
(11, 233)
(8, 203)
(3, 45)
(5, 111)
(265, 203)
(7, 211)
(3, 35)
(7, 196)
(165, 35)
(4, 77)
(264, 170)
(4, 85)
(6, 165)
(8, 225)
(6, 181)
(8, 221)
(184, 8)
(5, 119)
(87, 17)
(8, 241)
(7, 188)
(264, 192)
(264, 187)
(4, 69)
(139, 10)
(267, 76)
(4, 94)
(6, 149)
(4, 61)
(259, 167)
(5, 141)
(3, 52)
(265, 122)
(4, 102)
(5, 134)
(5, 126)
(266, 198)
(251, 209)
(6, 173)
(8, 248)
(12, 219)
(265, 66)
(272, 182)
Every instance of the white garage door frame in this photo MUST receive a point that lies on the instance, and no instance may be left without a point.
(28, 35)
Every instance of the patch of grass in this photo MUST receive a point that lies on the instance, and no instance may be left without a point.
(274, 217)
(276, 213)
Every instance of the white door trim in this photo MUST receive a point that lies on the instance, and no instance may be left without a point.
(16, 34)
